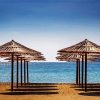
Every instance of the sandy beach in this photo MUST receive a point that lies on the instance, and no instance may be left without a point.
(49, 92)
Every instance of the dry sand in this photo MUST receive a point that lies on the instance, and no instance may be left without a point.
(48, 92)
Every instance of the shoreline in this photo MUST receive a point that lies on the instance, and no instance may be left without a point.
(46, 83)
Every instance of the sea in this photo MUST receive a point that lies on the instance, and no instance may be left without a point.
(51, 72)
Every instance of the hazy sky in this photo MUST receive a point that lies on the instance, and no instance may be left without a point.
(49, 25)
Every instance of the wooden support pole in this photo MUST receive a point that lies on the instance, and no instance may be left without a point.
(82, 69)
(17, 70)
(21, 71)
(85, 71)
(24, 72)
(79, 71)
(27, 73)
(12, 70)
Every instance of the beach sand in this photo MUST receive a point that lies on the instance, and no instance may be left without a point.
(49, 92)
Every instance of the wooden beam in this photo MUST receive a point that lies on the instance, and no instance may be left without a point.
(85, 71)
(77, 71)
(82, 69)
(27, 73)
(21, 71)
(17, 70)
(12, 70)
(24, 72)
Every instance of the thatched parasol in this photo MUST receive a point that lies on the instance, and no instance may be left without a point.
(12, 49)
(83, 48)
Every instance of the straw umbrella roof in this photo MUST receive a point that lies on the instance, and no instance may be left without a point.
(74, 56)
(75, 51)
(82, 47)
(17, 48)
(27, 57)
(68, 56)
(37, 58)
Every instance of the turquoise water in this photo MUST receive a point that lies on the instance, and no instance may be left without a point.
(51, 72)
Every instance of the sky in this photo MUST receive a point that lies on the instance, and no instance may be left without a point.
(49, 25)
